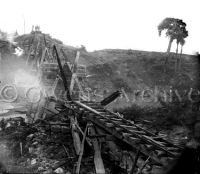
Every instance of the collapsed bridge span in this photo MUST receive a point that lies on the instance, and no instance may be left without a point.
(142, 145)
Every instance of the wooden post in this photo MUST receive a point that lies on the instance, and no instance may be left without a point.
(75, 136)
(21, 148)
(143, 166)
(135, 161)
(74, 67)
(40, 108)
(87, 139)
(97, 154)
(81, 151)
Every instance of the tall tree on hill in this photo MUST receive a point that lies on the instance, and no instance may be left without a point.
(181, 34)
(175, 29)
(182, 43)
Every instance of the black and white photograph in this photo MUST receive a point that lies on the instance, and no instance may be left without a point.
(99, 87)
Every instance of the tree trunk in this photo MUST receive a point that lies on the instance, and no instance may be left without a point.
(177, 48)
(179, 66)
(176, 58)
(168, 51)
(181, 49)
(169, 45)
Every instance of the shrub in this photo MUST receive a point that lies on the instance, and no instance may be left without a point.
(131, 112)
(165, 117)
(119, 82)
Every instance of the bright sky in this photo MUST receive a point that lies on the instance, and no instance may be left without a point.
(100, 24)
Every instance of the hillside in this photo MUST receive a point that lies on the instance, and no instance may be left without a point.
(112, 69)
(138, 70)
(49, 142)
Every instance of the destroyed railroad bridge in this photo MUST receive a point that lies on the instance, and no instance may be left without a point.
(50, 114)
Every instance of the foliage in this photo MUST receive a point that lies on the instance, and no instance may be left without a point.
(182, 42)
(119, 82)
(129, 52)
(165, 117)
(83, 48)
(131, 112)
(175, 29)
(3, 35)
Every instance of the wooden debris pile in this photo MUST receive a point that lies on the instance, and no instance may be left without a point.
(42, 147)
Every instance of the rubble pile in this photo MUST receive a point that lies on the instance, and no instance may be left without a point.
(41, 147)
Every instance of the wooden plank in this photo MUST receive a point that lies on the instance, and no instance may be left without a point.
(96, 117)
(74, 67)
(143, 166)
(75, 136)
(72, 82)
(109, 124)
(99, 166)
(135, 161)
(81, 151)
(120, 137)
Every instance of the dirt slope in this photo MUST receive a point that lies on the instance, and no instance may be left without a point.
(138, 70)
(132, 70)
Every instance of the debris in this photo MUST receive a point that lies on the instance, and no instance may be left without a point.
(59, 171)
(33, 161)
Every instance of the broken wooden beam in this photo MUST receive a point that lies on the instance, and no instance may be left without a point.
(135, 161)
(99, 166)
(75, 135)
(110, 98)
(81, 151)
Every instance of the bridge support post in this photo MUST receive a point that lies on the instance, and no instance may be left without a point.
(99, 166)
(135, 161)
(143, 166)
(75, 135)
(81, 151)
